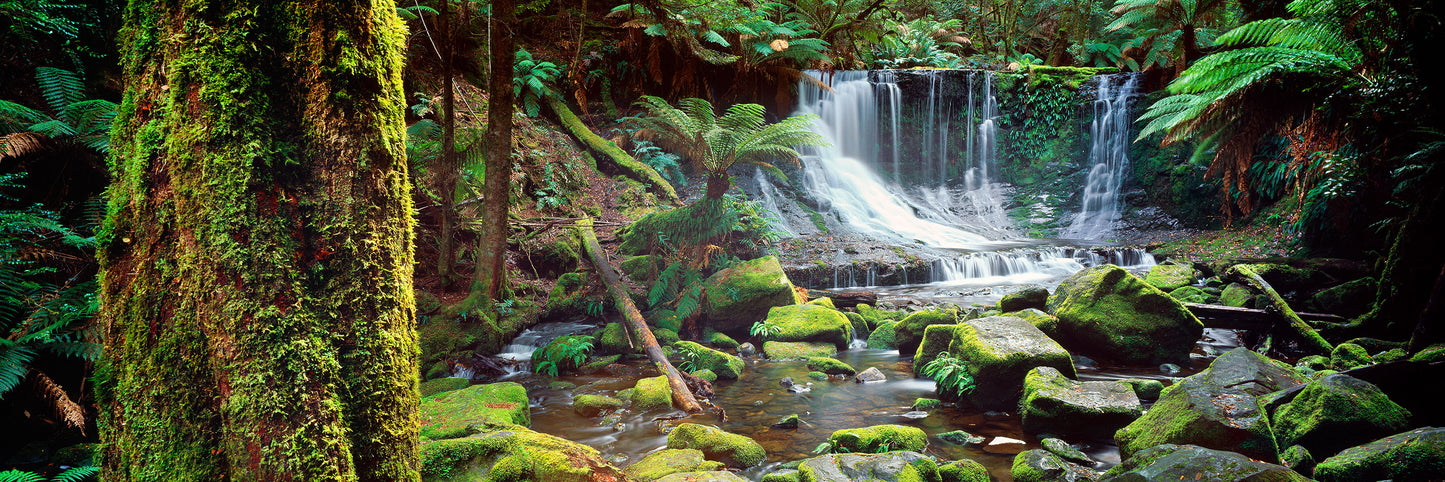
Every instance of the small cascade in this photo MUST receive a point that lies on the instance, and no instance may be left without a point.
(1108, 158)
(1026, 265)
(770, 196)
(529, 340)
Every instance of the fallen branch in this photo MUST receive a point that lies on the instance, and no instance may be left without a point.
(1311, 338)
(1236, 318)
(630, 167)
(632, 319)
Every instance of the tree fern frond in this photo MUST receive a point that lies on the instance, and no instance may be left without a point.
(60, 87)
(14, 364)
(17, 475)
(77, 474)
(15, 117)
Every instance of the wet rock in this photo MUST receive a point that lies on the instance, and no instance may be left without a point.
(885, 467)
(1430, 354)
(726, 366)
(1335, 412)
(1286, 278)
(1313, 363)
(718, 340)
(612, 339)
(1236, 295)
(784, 475)
(883, 336)
(1414, 455)
(915, 415)
(791, 350)
(860, 325)
(651, 394)
(705, 374)
(936, 339)
(1107, 313)
(872, 374)
(1027, 296)
(1190, 294)
(592, 405)
(1347, 356)
(999, 351)
(963, 470)
(1084, 363)
(643, 269)
(1170, 369)
(876, 316)
(878, 437)
(819, 376)
(514, 453)
(786, 382)
(464, 412)
(1049, 324)
(717, 444)
(712, 476)
(1056, 404)
(800, 388)
(1145, 388)
(1044, 466)
(926, 404)
(961, 438)
(747, 349)
(1298, 459)
(788, 422)
(1188, 462)
(666, 462)
(810, 323)
(1168, 277)
(830, 366)
(741, 295)
(909, 332)
(1215, 408)
(1005, 446)
(1067, 452)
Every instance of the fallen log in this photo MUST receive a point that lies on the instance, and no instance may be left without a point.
(624, 162)
(1311, 339)
(1235, 318)
(682, 396)
(846, 298)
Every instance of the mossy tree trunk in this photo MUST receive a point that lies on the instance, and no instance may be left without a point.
(257, 249)
(492, 253)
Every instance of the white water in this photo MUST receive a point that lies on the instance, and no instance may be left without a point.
(530, 340)
(1108, 155)
(770, 197)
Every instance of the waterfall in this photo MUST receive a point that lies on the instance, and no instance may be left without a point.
(770, 196)
(1108, 158)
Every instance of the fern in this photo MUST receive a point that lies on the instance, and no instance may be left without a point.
(78, 474)
(529, 80)
(71, 118)
(950, 373)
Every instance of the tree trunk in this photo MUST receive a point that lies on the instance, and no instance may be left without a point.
(256, 254)
(492, 252)
(1311, 339)
(447, 169)
(618, 158)
(718, 184)
(681, 396)
(1191, 48)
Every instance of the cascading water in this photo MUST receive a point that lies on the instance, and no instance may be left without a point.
(1108, 158)
(770, 196)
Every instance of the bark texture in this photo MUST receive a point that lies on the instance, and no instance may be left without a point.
(257, 250)
(492, 253)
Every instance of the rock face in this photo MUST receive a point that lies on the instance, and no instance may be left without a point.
(879, 437)
(666, 462)
(1028, 296)
(741, 295)
(460, 413)
(1188, 462)
(1107, 313)
(716, 444)
(999, 352)
(1216, 408)
(909, 332)
(936, 339)
(1169, 277)
(811, 323)
(786, 350)
(889, 467)
(1335, 412)
(1053, 403)
(725, 366)
(514, 453)
(1045, 466)
(1415, 455)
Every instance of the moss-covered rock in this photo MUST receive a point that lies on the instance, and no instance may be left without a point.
(460, 413)
(1168, 277)
(1298, 459)
(613, 339)
(664, 319)
(1049, 324)
(860, 325)
(718, 340)
(643, 269)
(926, 403)
(1336, 412)
(898, 466)
(567, 298)
(883, 336)
(936, 339)
(1027, 296)
(999, 351)
(875, 316)
(909, 332)
(824, 301)
(963, 470)
(1063, 449)
(1348, 300)
(1236, 295)
(1145, 388)
(705, 374)
(878, 437)
(786, 350)
(1053, 403)
(651, 394)
(784, 475)
(552, 257)
(716, 444)
(829, 366)
(1284, 277)
(666, 462)
(1313, 363)
(597, 363)
(810, 323)
(1044, 466)
(741, 295)
(704, 476)
(961, 438)
(513, 453)
(1418, 454)
(1187, 462)
(433, 387)
(1107, 313)
(590, 405)
(665, 337)
(1190, 294)
(726, 366)
(1349, 355)
(1430, 354)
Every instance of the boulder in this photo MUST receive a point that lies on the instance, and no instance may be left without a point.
(566, 298)
(1145, 388)
(725, 366)
(718, 340)
(460, 413)
(999, 351)
(936, 339)
(872, 374)
(514, 453)
(1298, 458)
(963, 470)
(1188, 462)
(1067, 452)
(1236, 295)
(1418, 454)
(663, 318)
(440, 385)
(741, 295)
(666, 462)
(1049, 324)
(1044, 466)
(902, 466)
(1169, 277)
(782, 475)
(651, 394)
(1349, 355)
(926, 403)
(709, 476)
(788, 423)
(643, 269)
(705, 374)
(1286, 278)
(1335, 412)
(883, 336)
(878, 438)
(909, 332)
(1348, 300)
(612, 339)
(1053, 403)
(1027, 296)
(716, 444)
(810, 323)
(1190, 294)
(876, 316)
(860, 325)
(1215, 408)
(830, 366)
(589, 405)
(824, 301)
(961, 438)
(786, 350)
(1107, 313)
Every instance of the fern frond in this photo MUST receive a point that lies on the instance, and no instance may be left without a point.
(72, 413)
(14, 364)
(77, 474)
(60, 87)
(17, 475)
(15, 117)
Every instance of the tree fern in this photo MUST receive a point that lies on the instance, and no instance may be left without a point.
(71, 118)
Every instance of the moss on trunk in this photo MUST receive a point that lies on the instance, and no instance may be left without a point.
(257, 250)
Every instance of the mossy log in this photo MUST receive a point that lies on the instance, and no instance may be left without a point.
(1236, 318)
(632, 318)
(1311, 339)
(630, 167)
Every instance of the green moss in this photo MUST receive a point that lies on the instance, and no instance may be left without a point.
(1168, 277)
(613, 339)
(513, 454)
(726, 366)
(820, 376)
(1349, 355)
(1106, 312)
(651, 394)
(1430, 354)
(883, 336)
(875, 316)
(643, 269)
(743, 294)
(665, 462)
(566, 297)
(427, 303)
(810, 323)
(824, 301)
(1336, 412)
(719, 340)
(705, 374)
(1070, 77)
(1190, 294)
(999, 352)
(879, 437)
(463, 412)
(433, 387)
(936, 339)
(860, 325)
(619, 158)
(909, 332)
(556, 350)
(963, 470)
(1145, 388)
(926, 404)
(598, 362)
(665, 337)
(716, 444)
(1053, 403)
(829, 366)
(1418, 454)
(665, 319)
(1391, 355)
(589, 405)
(785, 350)
(1236, 295)
(785, 475)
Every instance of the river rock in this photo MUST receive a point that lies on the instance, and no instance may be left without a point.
(1286, 278)
(1027, 296)
(1188, 462)
(741, 295)
(878, 437)
(961, 438)
(666, 462)
(999, 351)
(1215, 408)
(588, 405)
(716, 444)
(1337, 411)
(872, 374)
(963, 470)
(936, 339)
(1298, 458)
(1348, 355)
(1190, 294)
(1145, 388)
(876, 316)
(514, 453)
(786, 382)
(1418, 454)
(899, 466)
(747, 349)
(883, 336)
(1053, 403)
(830, 366)
(788, 422)
(1044, 466)
(718, 340)
(1067, 452)
(710, 476)
(1107, 313)
(1049, 324)
(612, 339)
(799, 350)
(1236, 295)
(726, 366)
(651, 394)
(1168, 277)
(810, 323)
(460, 413)
(909, 332)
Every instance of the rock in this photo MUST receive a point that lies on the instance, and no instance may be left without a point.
(883, 337)
(1215, 408)
(664, 337)
(716, 444)
(712, 476)
(460, 413)
(665, 319)
(1027, 296)
(1044, 466)
(1005, 446)
(597, 363)
(1053, 403)
(747, 349)
(820, 376)
(1430, 354)
(666, 462)
(791, 350)
(1067, 452)
(800, 388)
(719, 340)
(1348, 355)
(1107, 313)
(963, 470)
(1313, 363)
(1188, 462)
(936, 339)
(651, 394)
(1348, 300)
(1169, 277)
(441, 385)
(878, 438)
(810, 323)
(1170, 369)
(1190, 294)
(786, 382)
(1082, 362)
(824, 301)
(726, 366)
(1286, 278)
(643, 269)
(514, 453)
(1418, 454)
(926, 404)
(741, 295)
(788, 422)
(1145, 388)
(784, 475)
(1298, 459)
(705, 374)
(860, 325)
(1236, 295)
(909, 332)
(612, 339)
(902, 466)
(876, 316)
(830, 366)
(1336, 412)
(1049, 324)
(566, 298)
(999, 351)
(961, 438)
(593, 405)
(872, 374)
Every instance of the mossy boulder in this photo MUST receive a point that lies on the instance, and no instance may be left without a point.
(703, 476)
(1336, 412)
(1168, 277)
(926, 403)
(613, 339)
(1284, 277)
(1049, 324)
(999, 351)
(666, 462)
(513, 453)
(810, 323)
(566, 298)
(718, 340)
(726, 366)
(963, 470)
(741, 295)
(1107, 313)
(898, 466)
(876, 316)
(1349, 355)
(1187, 462)
(860, 325)
(789, 350)
(824, 301)
(1298, 458)
(460, 413)
(705, 374)
(591, 405)
(782, 475)
(1217, 408)
(1236, 295)
(552, 257)
(1145, 388)
(433, 387)
(651, 394)
(1418, 454)
(909, 332)
(1053, 403)
(664, 319)
(643, 269)
(878, 437)
(883, 336)
(1429, 354)
(716, 444)
(830, 366)
(1348, 300)
(1044, 466)
(1027, 296)
(936, 339)
(1190, 294)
